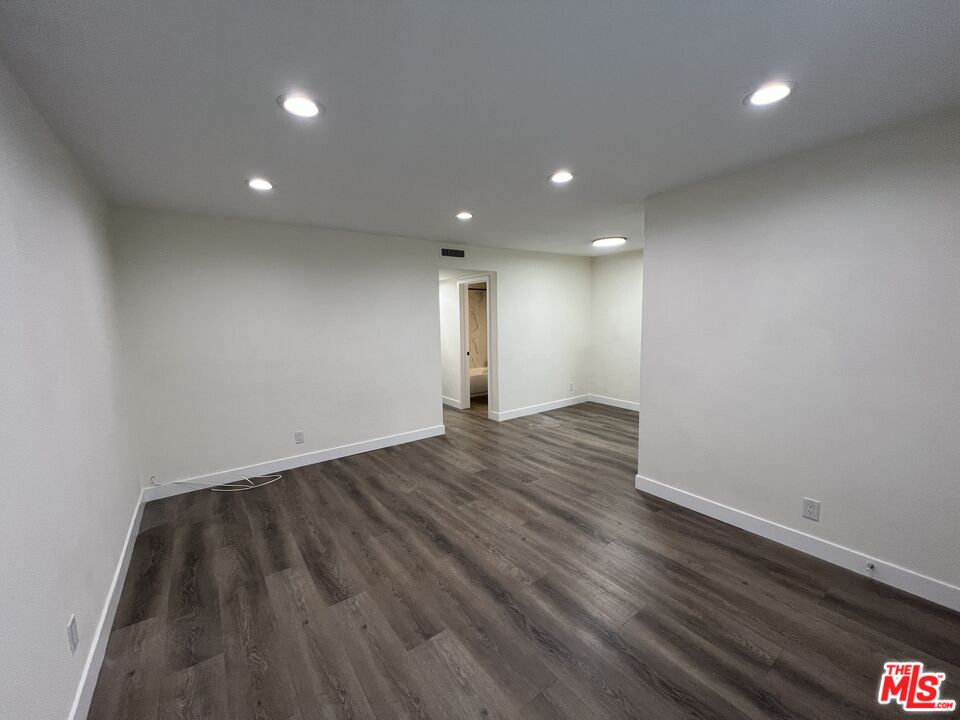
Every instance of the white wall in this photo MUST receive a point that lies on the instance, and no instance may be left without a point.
(801, 337)
(235, 334)
(450, 341)
(615, 314)
(540, 305)
(66, 499)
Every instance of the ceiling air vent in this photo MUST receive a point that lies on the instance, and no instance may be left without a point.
(451, 252)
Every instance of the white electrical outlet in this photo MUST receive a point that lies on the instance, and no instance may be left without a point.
(298, 437)
(811, 509)
(571, 387)
(73, 637)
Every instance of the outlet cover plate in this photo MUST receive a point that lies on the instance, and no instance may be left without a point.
(298, 437)
(811, 509)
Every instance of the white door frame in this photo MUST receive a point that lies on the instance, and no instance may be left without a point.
(463, 285)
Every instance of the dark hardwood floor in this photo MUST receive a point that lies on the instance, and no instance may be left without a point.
(505, 570)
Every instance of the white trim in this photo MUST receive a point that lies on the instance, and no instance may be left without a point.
(896, 576)
(615, 402)
(288, 463)
(534, 409)
(98, 647)
(452, 402)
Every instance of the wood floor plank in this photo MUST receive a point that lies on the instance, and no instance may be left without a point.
(128, 684)
(257, 673)
(198, 692)
(392, 683)
(193, 617)
(333, 573)
(270, 533)
(557, 702)
(504, 655)
(457, 687)
(709, 668)
(400, 600)
(324, 680)
(503, 570)
(148, 576)
(935, 629)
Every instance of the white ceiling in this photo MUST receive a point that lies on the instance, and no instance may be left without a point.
(434, 106)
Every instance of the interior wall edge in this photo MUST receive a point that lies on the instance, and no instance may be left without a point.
(910, 581)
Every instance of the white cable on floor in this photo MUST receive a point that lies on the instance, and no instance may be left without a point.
(229, 486)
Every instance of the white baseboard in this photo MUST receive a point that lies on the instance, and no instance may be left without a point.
(186, 485)
(449, 401)
(896, 576)
(615, 402)
(98, 646)
(534, 409)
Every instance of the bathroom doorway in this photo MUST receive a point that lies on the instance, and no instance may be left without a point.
(468, 341)
(475, 374)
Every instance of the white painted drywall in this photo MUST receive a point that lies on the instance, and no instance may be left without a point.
(66, 498)
(540, 307)
(801, 338)
(615, 321)
(450, 340)
(235, 334)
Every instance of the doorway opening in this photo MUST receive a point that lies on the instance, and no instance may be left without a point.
(477, 358)
(468, 341)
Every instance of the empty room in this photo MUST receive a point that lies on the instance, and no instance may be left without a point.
(516, 359)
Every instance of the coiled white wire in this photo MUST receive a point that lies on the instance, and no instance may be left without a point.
(230, 486)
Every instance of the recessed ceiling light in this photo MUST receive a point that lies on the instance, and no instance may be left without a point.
(609, 242)
(770, 93)
(561, 177)
(299, 105)
(260, 184)
(464, 216)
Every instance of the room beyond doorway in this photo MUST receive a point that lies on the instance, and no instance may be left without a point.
(468, 340)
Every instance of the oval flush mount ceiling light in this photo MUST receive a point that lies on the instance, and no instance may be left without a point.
(300, 105)
(769, 93)
(464, 216)
(561, 177)
(260, 184)
(609, 242)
